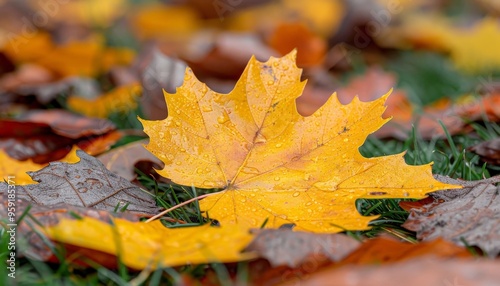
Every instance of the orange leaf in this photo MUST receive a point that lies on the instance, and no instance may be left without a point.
(271, 162)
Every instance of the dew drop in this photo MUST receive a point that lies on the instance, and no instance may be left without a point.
(178, 163)
(278, 145)
(309, 210)
(283, 216)
(199, 171)
(182, 150)
(254, 209)
(406, 194)
(296, 194)
(223, 118)
(178, 111)
(250, 170)
(270, 82)
(260, 138)
(243, 200)
(346, 139)
(307, 177)
(209, 184)
(252, 195)
(309, 203)
(277, 178)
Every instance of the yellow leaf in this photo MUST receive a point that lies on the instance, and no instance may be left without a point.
(142, 245)
(93, 13)
(121, 99)
(165, 21)
(271, 162)
(323, 16)
(472, 50)
(475, 50)
(23, 49)
(18, 169)
(84, 58)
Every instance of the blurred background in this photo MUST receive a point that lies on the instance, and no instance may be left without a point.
(100, 58)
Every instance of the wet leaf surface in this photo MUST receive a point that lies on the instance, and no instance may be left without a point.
(87, 183)
(293, 248)
(470, 215)
(272, 163)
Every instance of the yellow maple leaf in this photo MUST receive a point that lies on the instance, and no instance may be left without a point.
(142, 245)
(121, 99)
(17, 169)
(271, 162)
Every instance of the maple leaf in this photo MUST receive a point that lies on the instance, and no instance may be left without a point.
(87, 183)
(271, 162)
(471, 214)
(142, 245)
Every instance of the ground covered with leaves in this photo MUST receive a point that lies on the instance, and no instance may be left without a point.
(249, 142)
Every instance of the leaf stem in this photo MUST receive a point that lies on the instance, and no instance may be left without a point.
(178, 206)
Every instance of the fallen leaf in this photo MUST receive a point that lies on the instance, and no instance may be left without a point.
(470, 48)
(121, 99)
(18, 169)
(48, 135)
(34, 246)
(68, 124)
(489, 151)
(94, 13)
(142, 245)
(471, 214)
(122, 160)
(88, 57)
(383, 250)
(87, 183)
(437, 272)
(273, 164)
(311, 48)
(157, 21)
(293, 248)
(380, 251)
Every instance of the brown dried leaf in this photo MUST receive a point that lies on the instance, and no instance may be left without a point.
(471, 214)
(292, 248)
(86, 183)
(489, 151)
(372, 252)
(161, 73)
(48, 135)
(417, 272)
(123, 159)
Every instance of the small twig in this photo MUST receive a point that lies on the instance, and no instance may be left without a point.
(178, 206)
